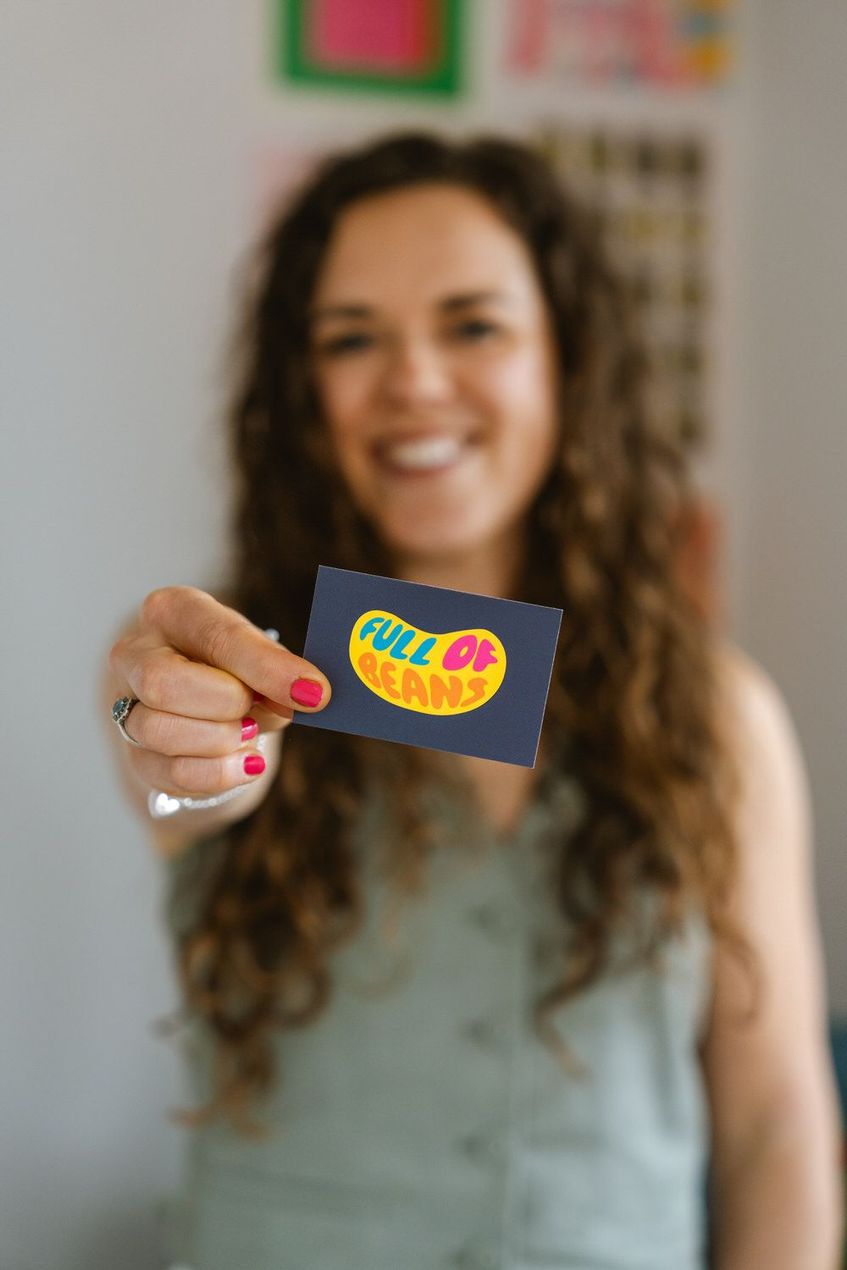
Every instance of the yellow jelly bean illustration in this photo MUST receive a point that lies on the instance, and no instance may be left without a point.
(431, 674)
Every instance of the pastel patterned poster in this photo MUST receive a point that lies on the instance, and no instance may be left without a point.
(673, 44)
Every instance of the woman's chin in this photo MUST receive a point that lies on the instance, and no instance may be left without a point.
(446, 542)
(427, 542)
(446, 548)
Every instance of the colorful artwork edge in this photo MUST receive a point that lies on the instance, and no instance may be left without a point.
(294, 62)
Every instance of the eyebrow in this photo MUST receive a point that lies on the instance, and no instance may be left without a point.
(450, 304)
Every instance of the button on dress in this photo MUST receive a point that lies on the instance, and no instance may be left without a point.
(421, 1123)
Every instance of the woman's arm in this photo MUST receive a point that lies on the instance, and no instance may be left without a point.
(776, 1135)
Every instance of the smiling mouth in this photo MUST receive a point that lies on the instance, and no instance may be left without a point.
(421, 455)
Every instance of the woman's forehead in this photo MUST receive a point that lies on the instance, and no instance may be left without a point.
(430, 242)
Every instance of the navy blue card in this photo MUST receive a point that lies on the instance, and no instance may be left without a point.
(431, 667)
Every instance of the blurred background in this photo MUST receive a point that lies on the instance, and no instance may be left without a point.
(143, 149)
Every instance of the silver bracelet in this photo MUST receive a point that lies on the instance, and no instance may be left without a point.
(161, 805)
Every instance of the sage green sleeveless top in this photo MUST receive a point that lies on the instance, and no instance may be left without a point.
(421, 1123)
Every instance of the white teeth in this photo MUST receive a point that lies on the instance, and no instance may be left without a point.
(423, 454)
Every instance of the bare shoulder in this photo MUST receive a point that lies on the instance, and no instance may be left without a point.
(771, 805)
(747, 692)
(757, 726)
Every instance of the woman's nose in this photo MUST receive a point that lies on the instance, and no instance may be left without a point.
(416, 371)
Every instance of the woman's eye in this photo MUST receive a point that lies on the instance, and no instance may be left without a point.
(353, 342)
(474, 329)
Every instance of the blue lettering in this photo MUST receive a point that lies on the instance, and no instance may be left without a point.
(384, 638)
(419, 656)
(403, 642)
(371, 625)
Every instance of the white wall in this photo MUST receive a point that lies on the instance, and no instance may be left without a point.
(123, 214)
(129, 133)
(791, 606)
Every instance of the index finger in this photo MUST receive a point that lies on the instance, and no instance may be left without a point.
(205, 630)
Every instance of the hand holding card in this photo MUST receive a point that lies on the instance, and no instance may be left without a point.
(427, 666)
(199, 682)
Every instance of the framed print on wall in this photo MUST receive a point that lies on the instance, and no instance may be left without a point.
(394, 46)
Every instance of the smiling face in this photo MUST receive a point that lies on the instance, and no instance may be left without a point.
(434, 365)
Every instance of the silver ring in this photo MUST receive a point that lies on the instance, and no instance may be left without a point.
(120, 713)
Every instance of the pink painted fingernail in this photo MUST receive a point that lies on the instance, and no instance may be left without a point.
(306, 692)
(249, 728)
(257, 699)
(254, 765)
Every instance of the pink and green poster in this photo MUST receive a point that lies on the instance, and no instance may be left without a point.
(405, 46)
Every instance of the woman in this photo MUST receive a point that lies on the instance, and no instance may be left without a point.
(485, 1016)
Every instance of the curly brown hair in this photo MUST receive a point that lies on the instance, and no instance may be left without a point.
(632, 708)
